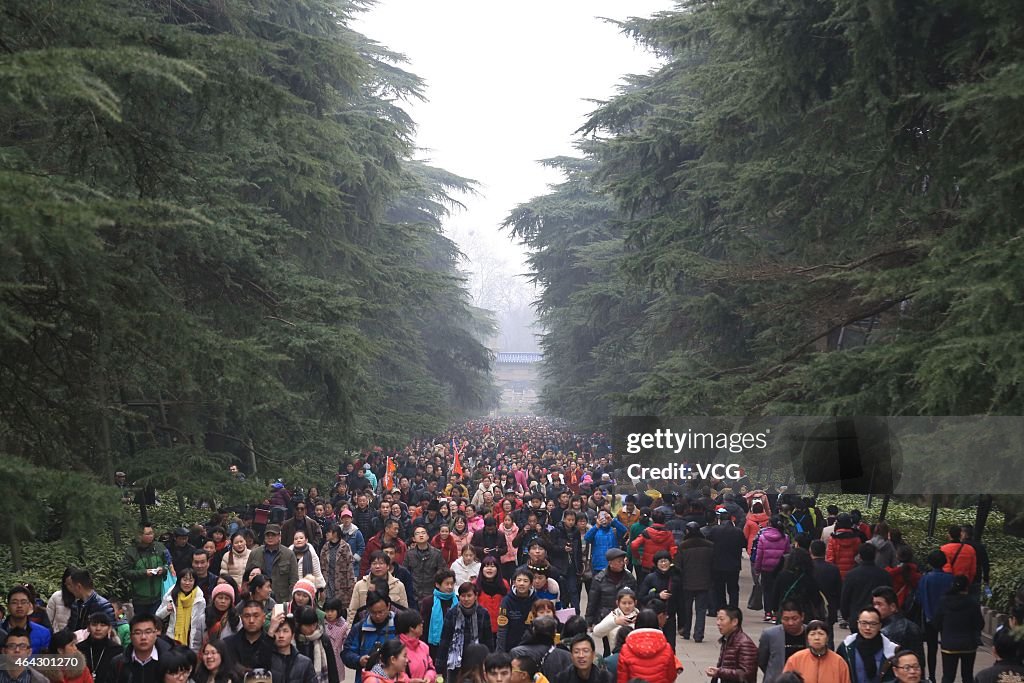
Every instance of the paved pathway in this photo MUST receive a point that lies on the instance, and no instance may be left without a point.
(698, 656)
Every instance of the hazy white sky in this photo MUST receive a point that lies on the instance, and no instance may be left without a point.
(506, 85)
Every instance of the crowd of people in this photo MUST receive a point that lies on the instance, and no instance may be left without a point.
(509, 551)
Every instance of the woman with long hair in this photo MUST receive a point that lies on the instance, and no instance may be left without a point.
(472, 669)
(58, 607)
(387, 663)
(260, 590)
(215, 664)
(444, 542)
(307, 559)
(184, 608)
(460, 532)
(905, 577)
(492, 588)
(233, 562)
(796, 582)
(175, 665)
(221, 617)
(772, 546)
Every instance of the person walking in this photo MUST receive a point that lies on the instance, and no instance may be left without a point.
(726, 561)
(959, 623)
(737, 659)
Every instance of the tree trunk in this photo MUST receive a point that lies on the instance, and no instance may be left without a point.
(933, 516)
(252, 457)
(15, 546)
(981, 519)
(885, 507)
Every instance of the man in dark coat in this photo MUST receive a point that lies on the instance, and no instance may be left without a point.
(726, 560)
(737, 660)
(860, 582)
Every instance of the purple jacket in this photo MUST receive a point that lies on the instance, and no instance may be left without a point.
(771, 547)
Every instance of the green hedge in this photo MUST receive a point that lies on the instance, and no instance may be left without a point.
(44, 563)
(1005, 552)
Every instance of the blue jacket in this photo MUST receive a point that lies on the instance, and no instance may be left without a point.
(358, 545)
(80, 612)
(363, 637)
(603, 539)
(38, 636)
(933, 585)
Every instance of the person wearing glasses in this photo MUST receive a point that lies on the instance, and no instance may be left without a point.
(176, 665)
(867, 652)
(19, 609)
(907, 666)
(16, 648)
(140, 662)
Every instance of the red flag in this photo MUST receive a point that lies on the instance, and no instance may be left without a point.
(457, 465)
(389, 475)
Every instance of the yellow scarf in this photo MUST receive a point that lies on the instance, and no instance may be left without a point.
(183, 620)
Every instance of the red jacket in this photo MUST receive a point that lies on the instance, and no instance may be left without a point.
(373, 545)
(648, 656)
(755, 522)
(449, 550)
(652, 539)
(903, 587)
(842, 550)
(966, 560)
(491, 603)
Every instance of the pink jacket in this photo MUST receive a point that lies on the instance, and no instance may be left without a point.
(771, 547)
(420, 663)
(510, 535)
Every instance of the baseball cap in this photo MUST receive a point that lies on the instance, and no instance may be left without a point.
(346, 513)
(721, 510)
(181, 531)
(273, 529)
(614, 554)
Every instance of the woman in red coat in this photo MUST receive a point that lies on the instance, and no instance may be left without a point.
(444, 542)
(492, 588)
(647, 654)
(843, 545)
(905, 575)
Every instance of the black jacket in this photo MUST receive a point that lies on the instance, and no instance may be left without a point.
(250, 655)
(904, 633)
(363, 519)
(563, 561)
(857, 587)
(830, 582)
(655, 582)
(99, 657)
(485, 636)
(127, 670)
(959, 623)
(292, 668)
(729, 545)
(493, 543)
(601, 598)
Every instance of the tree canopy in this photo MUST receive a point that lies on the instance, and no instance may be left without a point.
(796, 179)
(214, 242)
